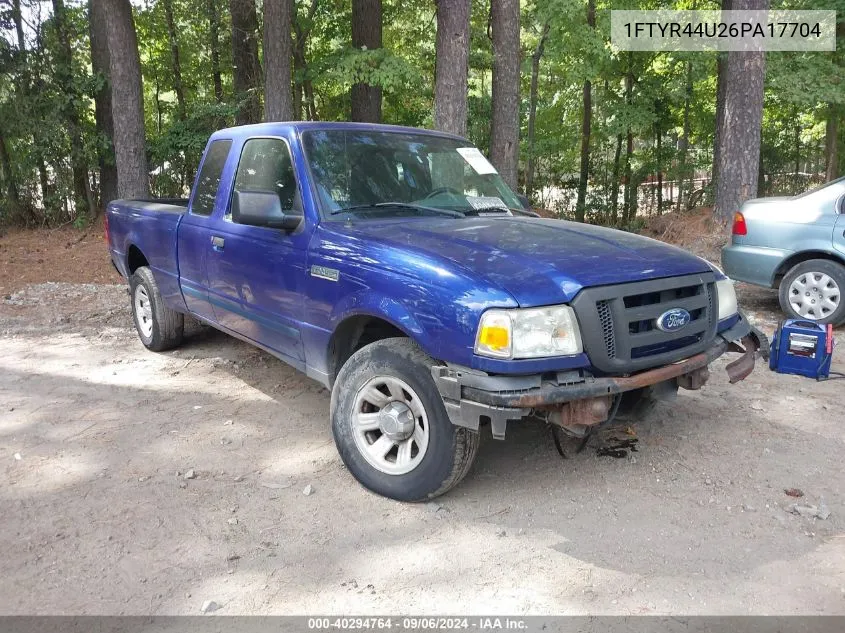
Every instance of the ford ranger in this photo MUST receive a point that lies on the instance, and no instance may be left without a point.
(394, 266)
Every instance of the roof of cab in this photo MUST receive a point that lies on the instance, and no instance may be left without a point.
(280, 128)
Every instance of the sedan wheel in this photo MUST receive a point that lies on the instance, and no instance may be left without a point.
(812, 290)
(814, 295)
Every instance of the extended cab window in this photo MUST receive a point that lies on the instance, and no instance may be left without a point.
(266, 165)
(209, 180)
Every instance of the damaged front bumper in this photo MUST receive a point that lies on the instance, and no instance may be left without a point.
(472, 397)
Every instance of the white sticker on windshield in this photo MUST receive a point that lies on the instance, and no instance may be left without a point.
(476, 160)
(488, 203)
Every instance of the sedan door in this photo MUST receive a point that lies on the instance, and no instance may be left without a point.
(256, 273)
(839, 229)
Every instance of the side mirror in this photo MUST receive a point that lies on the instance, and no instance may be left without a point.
(263, 208)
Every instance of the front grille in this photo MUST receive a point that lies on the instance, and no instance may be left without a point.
(619, 323)
(606, 319)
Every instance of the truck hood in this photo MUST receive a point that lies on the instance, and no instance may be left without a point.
(538, 261)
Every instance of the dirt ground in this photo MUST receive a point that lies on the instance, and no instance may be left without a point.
(141, 483)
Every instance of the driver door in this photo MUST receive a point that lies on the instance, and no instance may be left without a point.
(256, 274)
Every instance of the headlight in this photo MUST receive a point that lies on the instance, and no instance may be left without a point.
(727, 298)
(531, 333)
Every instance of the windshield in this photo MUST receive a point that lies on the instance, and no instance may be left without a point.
(419, 173)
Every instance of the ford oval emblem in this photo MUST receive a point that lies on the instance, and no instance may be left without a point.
(673, 320)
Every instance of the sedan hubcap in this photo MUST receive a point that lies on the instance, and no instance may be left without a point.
(814, 295)
(390, 426)
(143, 311)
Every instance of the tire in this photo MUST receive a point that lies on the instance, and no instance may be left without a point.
(815, 288)
(444, 452)
(159, 327)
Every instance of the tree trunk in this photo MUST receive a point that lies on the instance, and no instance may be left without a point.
(532, 108)
(83, 198)
(586, 124)
(44, 182)
(102, 103)
(658, 150)
(721, 88)
(310, 102)
(18, 20)
(583, 179)
(627, 212)
(504, 130)
(14, 202)
(246, 71)
(176, 66)
(451, 66)
(297, 92)
(797, 184)
(366, 34)
(24, 89)
(133, 178)
(683, 142)
(214, 48)
(629, 148)
(614, 185)
(278, 51)
(831, 141)
(157, 102)
(739, 140)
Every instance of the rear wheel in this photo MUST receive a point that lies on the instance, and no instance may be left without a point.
(391, 427)
(812, 290)
(159, 327)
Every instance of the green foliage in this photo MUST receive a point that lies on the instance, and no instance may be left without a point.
(802, 90)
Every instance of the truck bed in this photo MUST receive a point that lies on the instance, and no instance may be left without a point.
(154, 223)
(154, 205)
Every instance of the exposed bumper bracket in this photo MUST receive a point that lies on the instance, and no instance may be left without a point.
(472, 397)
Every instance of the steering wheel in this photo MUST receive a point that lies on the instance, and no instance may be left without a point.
(440, 190)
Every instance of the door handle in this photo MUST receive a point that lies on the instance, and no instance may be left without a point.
(217, 243)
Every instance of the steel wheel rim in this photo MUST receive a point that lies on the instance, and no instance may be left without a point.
(814, 295)
(143, 311)
(390, 425)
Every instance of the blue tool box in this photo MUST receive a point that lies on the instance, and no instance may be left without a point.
(801, 347)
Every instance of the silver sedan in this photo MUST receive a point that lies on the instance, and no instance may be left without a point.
(796, 245)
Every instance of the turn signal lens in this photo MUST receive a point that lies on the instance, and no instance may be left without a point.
(740, 227)
(494, 334)
(495, 337)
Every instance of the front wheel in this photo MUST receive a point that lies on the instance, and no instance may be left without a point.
(391, 428)
(812, 291)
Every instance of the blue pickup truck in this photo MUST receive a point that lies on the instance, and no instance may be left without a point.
(395, 266)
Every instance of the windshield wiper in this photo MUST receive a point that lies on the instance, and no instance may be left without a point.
(398, 205)
(503, 210)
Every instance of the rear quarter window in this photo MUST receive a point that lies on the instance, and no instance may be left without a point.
(209, 178)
